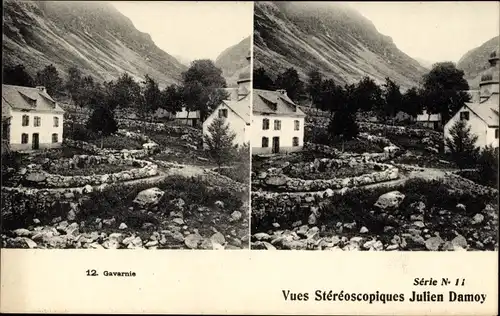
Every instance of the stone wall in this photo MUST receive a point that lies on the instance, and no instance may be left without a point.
(374, 128)
(275, 180)
(35, 176)
(124, 153)
(365, 157)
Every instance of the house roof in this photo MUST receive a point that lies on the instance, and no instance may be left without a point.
(241, 108)
(274, 102)
(425, 117)
(184, 114)
(5, 111)
(487, 111)
(28, 98)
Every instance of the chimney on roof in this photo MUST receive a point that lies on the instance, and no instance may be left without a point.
(42, 88)
(282, 91)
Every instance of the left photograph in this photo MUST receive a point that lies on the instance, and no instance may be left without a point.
(126, 125)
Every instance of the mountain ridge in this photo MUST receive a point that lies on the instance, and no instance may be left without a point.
(232, 61)
(475, 61)
(330, 37)
(93, 36)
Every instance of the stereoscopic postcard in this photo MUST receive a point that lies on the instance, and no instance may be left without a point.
(250, 157)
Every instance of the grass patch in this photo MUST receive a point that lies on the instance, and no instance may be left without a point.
(342, 172)
(237, 173)
(117, 142)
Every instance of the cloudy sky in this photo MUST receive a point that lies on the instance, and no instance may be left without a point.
(191, 30)
(434, 31)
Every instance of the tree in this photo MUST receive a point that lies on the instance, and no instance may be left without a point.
(17, 75)
(102, 122)
(366, 96)
(50, 79)
(412, 102)
(206, 73)
(73, 83)
(343, 125)
(289, 80)
(444, 90)
(202, 87)
(89, 93)
(315, 86)
(126, 92)
(393, 99)
(261, 80)
(462, 145)
(151, 99)
(331, 96)
(488, 166)
(219, 141)
(172, 99)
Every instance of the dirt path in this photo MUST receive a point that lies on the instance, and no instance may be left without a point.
(185, 171)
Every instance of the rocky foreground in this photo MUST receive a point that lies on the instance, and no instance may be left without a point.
(425, 229)
(184, 226)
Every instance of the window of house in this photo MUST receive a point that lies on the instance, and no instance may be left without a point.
(277, 125)
(297, 125)
(265, 124)
(265, 142)
(55, 138)
(295, 141)
(223, 113)
(26, 120)
(496, 133)
(56, 121)
(464, 115)
(24, 138)
(37, 121)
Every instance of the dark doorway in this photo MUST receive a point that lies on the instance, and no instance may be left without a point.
(276, 145)
(35, 141)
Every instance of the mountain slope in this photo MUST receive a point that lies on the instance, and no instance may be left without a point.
(330, 37)
(424, 63)
(475, 61)
(232, 61)
(93, 36)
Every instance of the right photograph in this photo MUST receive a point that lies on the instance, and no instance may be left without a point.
(375, 126)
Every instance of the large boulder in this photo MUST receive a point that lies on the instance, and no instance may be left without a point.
(276, 180)
(36, 177)
(150, 145)
(149, 197)
(390, 200)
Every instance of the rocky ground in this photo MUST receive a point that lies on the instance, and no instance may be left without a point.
(185, 207)
(420, 228)
(426, 207)
(186, 227)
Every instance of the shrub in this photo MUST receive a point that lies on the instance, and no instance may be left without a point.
(461, 145)
(10, 164)
(488, 166)
(77, 131)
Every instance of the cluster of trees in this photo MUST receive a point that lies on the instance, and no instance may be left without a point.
(442, 92)
(200, 90)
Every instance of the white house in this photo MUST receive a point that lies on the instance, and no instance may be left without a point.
(191, 118)
(482, 115)
(235, 110)
(277, 123)
(427, 120)
(36, 120)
